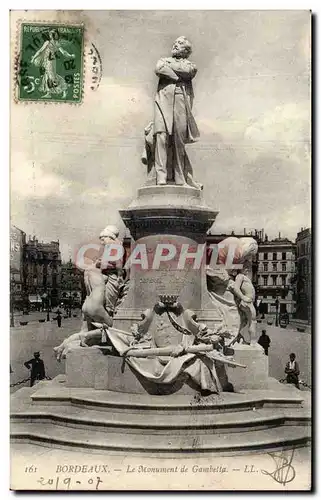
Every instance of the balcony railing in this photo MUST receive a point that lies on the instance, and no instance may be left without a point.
(274, 271)
(282, 288)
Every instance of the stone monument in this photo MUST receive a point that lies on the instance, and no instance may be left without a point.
(201, 315)
(168, 333)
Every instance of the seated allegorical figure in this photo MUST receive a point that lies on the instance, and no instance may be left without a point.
(105, 287)
(244, 294)
(232, 290)
(103, 281)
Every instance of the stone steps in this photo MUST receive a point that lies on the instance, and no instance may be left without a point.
(53, 394)
(55, 436)
(71, 416)
(54, 415)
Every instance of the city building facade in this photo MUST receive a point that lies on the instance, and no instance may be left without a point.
(304, 275)
(276, 275)
(42, 273)
(17, 285)
(71, 285)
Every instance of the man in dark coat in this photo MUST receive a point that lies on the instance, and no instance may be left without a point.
(174, 124)
(59, 318)
(292, 371)
(37, 368)
(265, 342)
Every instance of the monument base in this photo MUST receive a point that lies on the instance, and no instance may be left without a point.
(256, 374)
(89, 367)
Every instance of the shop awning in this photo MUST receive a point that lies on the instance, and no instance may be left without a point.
(35, 299)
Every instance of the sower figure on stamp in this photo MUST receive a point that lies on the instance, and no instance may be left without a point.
(45, 59)
(174, 124)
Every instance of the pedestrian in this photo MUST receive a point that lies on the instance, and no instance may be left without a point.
(292, 371)
(265, 342)
(59, 318)
(37, 368)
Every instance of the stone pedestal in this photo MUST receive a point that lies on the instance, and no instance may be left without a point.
(174, 215)
(82, 366)
(256, 373)
(170, 209)
(90, 368)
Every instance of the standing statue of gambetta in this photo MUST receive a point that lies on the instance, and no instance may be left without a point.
(174, 124)
(164, 342)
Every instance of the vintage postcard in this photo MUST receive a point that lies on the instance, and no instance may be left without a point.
(160, 250)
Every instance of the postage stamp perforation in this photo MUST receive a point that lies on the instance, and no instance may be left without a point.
(17, 55)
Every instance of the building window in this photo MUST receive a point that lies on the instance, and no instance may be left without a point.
(265, 267)
(274, 256)
(283, 280)
(283, 267)
(265, 256)
(283, 255)
(274, 280)
(265, 280)
(274, 265)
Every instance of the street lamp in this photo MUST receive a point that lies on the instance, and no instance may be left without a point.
(48, 298)
(277, 303)
(47, 293)
(70, 287)
(45, 296)
(12, 290)
(48, 305)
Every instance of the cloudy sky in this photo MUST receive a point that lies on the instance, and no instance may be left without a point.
(73, 167)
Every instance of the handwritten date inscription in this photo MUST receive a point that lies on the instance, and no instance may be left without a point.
(66, 483)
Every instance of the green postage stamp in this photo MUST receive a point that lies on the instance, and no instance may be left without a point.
(50, 63)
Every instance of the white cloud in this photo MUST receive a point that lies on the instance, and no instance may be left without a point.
(29, 180)
(285, 130)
